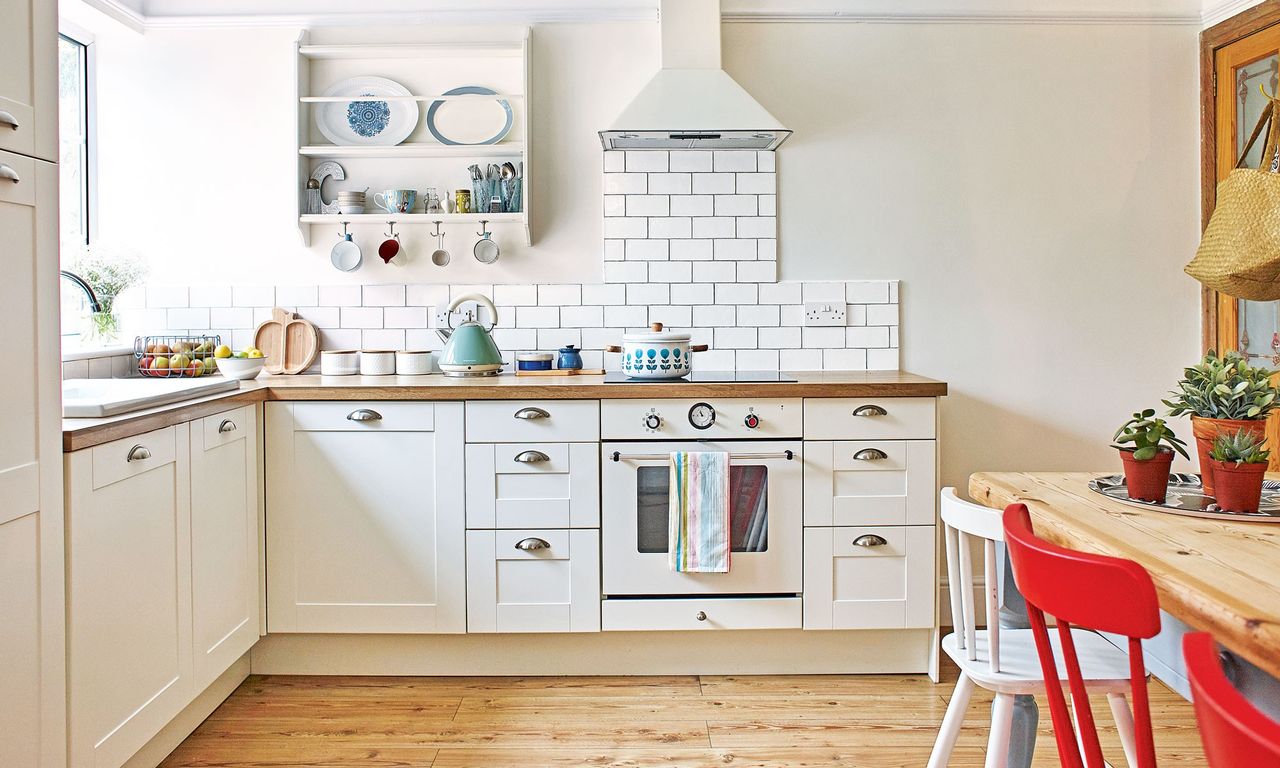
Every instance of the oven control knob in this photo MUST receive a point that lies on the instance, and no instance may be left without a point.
(701, 616)
(652, 421)
(751, 421)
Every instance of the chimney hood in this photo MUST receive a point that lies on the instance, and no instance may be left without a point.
(691, 103)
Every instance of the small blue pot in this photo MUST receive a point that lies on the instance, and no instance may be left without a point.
(570, 359)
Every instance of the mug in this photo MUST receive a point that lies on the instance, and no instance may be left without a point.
(396, 200)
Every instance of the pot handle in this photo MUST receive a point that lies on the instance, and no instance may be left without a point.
(699, 347)
(613, 348)
(478, 298)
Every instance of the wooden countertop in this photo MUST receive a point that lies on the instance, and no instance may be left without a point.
(1216, 576)
(84, 433)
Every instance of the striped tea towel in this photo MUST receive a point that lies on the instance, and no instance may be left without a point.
(698, 523)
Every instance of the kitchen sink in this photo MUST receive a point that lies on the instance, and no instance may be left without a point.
(95, 398)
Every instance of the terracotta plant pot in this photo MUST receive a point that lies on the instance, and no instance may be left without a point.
(1147, 480)
(1207, 430)
(1238, 486)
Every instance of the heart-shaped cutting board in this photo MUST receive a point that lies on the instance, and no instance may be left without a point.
(289, 343)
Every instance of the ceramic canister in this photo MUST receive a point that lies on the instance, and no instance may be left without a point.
(413, 363)
(533, 361)
(339, 362)
(377, 362)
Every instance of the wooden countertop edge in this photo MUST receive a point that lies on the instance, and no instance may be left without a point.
(1186, 602)
(99, 431)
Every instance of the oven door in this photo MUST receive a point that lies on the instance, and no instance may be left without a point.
(765, 513)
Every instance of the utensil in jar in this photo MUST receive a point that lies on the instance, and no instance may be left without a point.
(486, 250)
(439, 257)
(656, 354)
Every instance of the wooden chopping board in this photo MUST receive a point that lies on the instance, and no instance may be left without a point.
(289, 343)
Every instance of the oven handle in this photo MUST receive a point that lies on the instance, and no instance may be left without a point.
(615, 456)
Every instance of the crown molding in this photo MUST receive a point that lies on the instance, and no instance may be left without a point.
(169, 14)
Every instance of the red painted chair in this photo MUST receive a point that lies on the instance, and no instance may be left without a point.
(1091, 592)
(1235, 734)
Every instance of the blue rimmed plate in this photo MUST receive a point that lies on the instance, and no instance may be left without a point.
(367, 120)
(457, 126)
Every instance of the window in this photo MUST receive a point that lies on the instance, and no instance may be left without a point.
(73, 141)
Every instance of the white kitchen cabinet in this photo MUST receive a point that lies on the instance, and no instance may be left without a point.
(533, 581)
(129, 592)
(28, 78)
(224, 540)
(861, 418)
(365, 517)
(533, 485)
(870, 482)
(869, 577)
(538, 421)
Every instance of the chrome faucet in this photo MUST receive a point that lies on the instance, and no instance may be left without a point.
(94, 304)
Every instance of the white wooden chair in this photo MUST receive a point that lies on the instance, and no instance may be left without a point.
(1005, 660)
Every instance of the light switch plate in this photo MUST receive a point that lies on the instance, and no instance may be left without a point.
(818, 313)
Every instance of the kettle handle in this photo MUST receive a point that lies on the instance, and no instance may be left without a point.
(478, 298)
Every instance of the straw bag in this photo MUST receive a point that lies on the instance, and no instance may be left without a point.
(1239, 254)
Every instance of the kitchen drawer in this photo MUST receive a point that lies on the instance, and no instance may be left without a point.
(22, 138)
(533, 581)
(887, 581)
(112, 462)
(884, 418)
(715, 613)
(226, 427)
(870, 482)
(376, 416)
(526, 485)
(509, 421)
(24, 191)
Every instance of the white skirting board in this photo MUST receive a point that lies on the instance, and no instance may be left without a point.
(173, 734)
(608, 653)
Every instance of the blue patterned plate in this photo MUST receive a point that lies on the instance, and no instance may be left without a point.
(477, 90)
(367, 120)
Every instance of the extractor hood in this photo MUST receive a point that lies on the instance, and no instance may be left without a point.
(691, 103)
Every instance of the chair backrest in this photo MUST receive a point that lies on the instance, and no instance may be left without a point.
(960, 517)
(1092, 592)
(1235, 734)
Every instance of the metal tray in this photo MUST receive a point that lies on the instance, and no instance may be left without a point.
(1186, 497)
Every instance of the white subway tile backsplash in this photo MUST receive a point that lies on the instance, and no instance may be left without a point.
(780, 293)
(604, 293)
(671, 271)
(766, 161)
(406, 317)
(383, 296)
(615, 162)
(598, 338)
(555, 338)
(822, 337)
(757, 226)
(321, 317)
(626, 227)
(693, 293)
(565, 294)
(516, 339)
(100, 367)
(456, 291)
(626, 271)
(800, 359)
(164, 296)
(882, 314)
(230, 317)
(736, 293)
(692, 205)
(339, 295)
(538, 317)
(670, 183)
(697, 161)
(736, 205)
(855, 314)
(792, 314)
(75, 369)
(253, 295)
(867, 292)
(671, 316)
(883, 359)
(294, 296)
(426, 296)
(714, 184)
(647, 161)
(648, 250)
(382, 338)
(615, 250)
(516, 295)
(768, 204)
(780, 338)
(823, 292)
(626, 317)
(189, 319)
(844, 359)
(713, 315)
(712, 227)
(757, 359)
(671, 227)
(648, 205)
(626, 183)
(211, 296)
(361, 317)
(758, 314)
(735, 250)
(758, 271)
(615, 205)
(582, 317)
(717, 360)
(736, 338)
(330, 338)
(867, 336)
(691, 250)
(733, 160)
(715, 271)
(645, 294)
(756, 183)
(767, 249)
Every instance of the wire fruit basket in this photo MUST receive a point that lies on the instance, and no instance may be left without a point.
(165, 357)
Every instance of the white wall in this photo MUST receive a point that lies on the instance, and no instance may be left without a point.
(1033, 186)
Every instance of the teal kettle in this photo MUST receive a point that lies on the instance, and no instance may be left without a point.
(469, 349)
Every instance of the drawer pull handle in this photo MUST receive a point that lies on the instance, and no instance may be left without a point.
(138, 453)
(226, 426)
(870, 410)
(7, 172)
(531, 457)
(870, 454)
(531, 544)
(701, 616)
(364, 414)
(869, 540)
(7, 118)
(532, 413)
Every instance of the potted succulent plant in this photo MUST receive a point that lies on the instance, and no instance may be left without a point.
(1223, 395)
(1146, 446)
(1239, 462)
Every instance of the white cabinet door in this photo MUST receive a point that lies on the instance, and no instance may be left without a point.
(871, 482)
(869, 577)
(533, 581)
(28, 77)
(129, 592)
(365, 518)
(533, 485)
(224, 540)
(32, 652)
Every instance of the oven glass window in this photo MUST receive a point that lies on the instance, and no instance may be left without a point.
(748, 508)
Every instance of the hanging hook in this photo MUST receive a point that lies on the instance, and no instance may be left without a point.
(343, 233)
(1263, 88)
(437, 233)
(392, 233)
(484, 227)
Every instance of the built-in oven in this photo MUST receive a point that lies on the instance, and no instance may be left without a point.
(765, 487)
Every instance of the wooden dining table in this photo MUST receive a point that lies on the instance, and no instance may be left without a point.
(1219, 576)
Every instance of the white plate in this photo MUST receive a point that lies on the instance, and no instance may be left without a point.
(367, 121)
(463, 122)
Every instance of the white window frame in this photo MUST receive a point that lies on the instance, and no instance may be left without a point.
(84, 37)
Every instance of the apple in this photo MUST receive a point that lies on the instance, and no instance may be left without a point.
(180, 360)
(160, 364)
(161, 349)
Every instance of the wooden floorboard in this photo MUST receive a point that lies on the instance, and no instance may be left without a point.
(871, 721)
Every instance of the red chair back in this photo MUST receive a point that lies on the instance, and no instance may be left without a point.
(1091, 592)
(1235, 734)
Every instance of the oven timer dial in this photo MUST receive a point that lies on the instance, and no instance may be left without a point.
(752, 421)
(652, 422)
(702, 415)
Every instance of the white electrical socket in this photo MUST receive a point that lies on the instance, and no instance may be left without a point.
(817, 313)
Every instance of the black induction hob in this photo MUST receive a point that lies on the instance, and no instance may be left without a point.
(706, 377)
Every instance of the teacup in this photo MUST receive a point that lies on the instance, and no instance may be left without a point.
(396, 200)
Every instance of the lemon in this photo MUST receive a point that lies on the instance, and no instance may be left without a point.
(222, 351)
(254, 353)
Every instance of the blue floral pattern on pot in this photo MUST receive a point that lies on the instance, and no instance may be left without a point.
(368, 118)
(640, 360)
